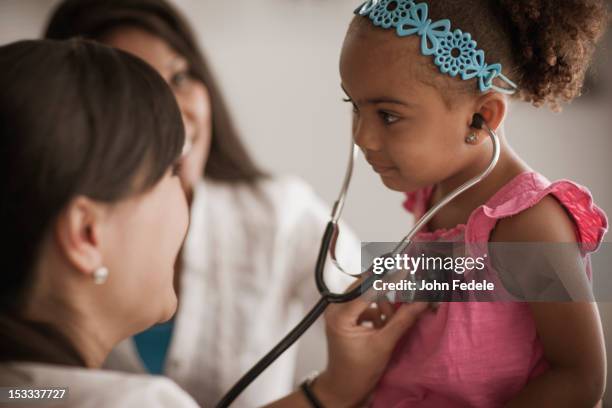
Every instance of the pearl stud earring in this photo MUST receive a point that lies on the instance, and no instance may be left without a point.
(100, 275)
(471, 139)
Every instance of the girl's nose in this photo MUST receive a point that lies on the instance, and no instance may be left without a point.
(365, 136)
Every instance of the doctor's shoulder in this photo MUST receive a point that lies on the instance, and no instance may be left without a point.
(281, 200)
(97, 388)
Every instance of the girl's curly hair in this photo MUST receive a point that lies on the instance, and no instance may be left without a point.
(554, 43)
(545, 46)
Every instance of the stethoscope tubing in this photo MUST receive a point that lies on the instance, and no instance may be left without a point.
(276, 352)
(328, 297)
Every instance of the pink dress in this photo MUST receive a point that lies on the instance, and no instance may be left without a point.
(480, 354)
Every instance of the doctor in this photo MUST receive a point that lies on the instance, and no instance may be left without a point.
(245, 272)
(95, 215)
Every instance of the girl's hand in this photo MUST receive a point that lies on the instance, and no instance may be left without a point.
(358, 354)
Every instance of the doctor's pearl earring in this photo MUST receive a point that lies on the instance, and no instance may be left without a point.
(100, 275)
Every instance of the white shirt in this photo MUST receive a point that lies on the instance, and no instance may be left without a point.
(88, 388)
(248, 278)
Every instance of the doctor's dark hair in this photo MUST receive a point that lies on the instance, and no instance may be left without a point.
(76, 119)
(228, 159)
(545, 46)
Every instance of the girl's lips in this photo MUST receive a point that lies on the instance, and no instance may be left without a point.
(379, 168)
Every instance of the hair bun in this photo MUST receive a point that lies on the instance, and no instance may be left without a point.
(553, 45)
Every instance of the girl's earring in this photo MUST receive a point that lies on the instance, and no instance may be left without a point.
(471, 139)
(100, 275)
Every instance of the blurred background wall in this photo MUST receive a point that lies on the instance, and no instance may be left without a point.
(277, 62)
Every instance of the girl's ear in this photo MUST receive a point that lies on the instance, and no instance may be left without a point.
(78, 234)
(493, 106)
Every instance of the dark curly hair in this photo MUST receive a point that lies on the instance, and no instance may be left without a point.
(545, 46)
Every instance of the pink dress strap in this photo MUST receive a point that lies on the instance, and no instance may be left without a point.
(523, 192)
(528, 189)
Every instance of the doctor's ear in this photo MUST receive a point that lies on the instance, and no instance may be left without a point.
(78, 231)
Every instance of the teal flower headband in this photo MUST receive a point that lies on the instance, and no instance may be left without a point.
(454, 51)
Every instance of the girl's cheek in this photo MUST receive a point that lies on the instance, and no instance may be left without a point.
(402, 148)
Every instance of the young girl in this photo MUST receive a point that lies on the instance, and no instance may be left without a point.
(416, 74)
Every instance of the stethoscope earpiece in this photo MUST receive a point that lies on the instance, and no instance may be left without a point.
(477, 121)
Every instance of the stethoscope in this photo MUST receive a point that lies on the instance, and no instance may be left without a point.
(328, 246)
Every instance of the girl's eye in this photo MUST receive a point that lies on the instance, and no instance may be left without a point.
(179, 78)
(176, 168)
(388, 118)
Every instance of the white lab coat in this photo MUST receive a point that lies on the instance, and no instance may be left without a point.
(248, 278)
(88, 388)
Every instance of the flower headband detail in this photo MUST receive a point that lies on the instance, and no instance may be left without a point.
(454, 51)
